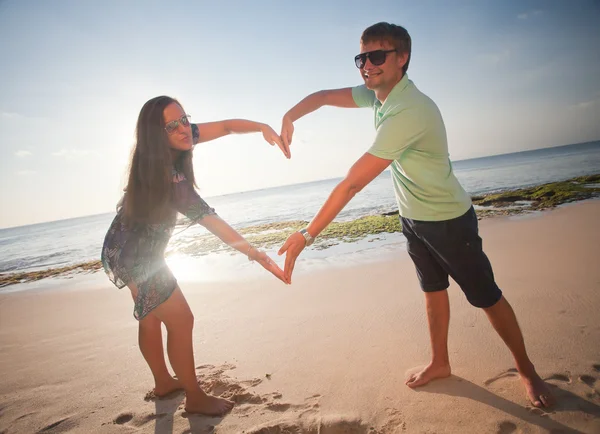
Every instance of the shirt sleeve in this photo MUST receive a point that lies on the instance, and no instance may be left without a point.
(187, 201)
(363, 97)
(397, 133)
(195, 133)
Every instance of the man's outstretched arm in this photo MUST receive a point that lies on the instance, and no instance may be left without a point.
(367, 168)
(332, 97)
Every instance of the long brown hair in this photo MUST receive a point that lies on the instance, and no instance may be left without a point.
(149, 185)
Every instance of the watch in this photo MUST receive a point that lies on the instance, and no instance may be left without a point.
(308, 237)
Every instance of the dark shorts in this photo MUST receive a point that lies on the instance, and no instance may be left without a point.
(452, 248)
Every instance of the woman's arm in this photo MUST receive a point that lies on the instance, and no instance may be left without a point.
(231, 237)
(213, 130)
(331, 97)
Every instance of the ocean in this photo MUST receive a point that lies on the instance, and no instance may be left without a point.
(66, 242)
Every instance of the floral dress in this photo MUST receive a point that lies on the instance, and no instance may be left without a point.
(135, 254)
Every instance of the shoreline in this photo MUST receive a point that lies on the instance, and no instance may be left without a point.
(506, 203)
(216, 268)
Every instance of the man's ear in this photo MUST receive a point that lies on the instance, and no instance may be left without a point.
(401, 59)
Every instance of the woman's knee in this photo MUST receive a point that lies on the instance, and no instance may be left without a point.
(183, 320)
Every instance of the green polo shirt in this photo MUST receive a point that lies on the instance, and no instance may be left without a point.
(410, 131)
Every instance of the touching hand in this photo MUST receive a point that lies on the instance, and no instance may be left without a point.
(292, 247)
(273, 139)
(268, 264)
(287, 131)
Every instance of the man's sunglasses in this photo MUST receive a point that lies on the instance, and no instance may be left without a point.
(376, 57)
(172, 126)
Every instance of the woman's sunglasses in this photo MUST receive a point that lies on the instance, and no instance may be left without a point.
(376, 57)
(172, 126)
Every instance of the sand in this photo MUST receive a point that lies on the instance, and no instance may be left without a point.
(328, 354)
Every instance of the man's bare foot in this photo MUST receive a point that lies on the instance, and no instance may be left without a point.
(537, 390)
(431, 372)
(167, 387)
(207, 404)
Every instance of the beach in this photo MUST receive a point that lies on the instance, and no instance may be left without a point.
(328, 354)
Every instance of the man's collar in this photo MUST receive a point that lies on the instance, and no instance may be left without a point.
(396, 90)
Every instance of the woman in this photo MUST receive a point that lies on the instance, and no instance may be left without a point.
(161, 184)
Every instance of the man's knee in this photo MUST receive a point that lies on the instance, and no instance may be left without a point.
(484, 299)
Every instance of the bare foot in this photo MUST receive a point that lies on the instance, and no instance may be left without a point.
(431, 372)
(537, 390)
(167, 387)
(207, 404)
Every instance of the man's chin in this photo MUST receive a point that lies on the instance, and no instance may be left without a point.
(370, 84)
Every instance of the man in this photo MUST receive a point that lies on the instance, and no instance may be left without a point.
(437, 216)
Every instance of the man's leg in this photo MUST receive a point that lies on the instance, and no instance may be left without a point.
(462, 256)
(438, 318)
(503, 318)
(434, 283)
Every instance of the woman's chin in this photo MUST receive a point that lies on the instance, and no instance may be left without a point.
(182, 147)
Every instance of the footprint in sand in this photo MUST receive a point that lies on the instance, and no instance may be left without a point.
(326, 425)
(559, 377)
(123, 418)
(393, 423)
(138, 421)
(294, 418)
(281, 427)
(278, 406)
(314, 423)
(64, 423)
(149, 417)
(213, 380)
(596, 367)
(587, 379)
(512, 372)
(506, 427)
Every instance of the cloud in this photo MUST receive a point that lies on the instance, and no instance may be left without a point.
(583, 105)
(26, 172)
(23, 153)
(10, 115)
(540, 72)
(495, 59)
(15, 119)
(531, 14)
(75, 153)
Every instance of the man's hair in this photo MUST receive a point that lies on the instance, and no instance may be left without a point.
(395, 35)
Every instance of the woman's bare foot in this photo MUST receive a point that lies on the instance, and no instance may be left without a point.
(167, 387)
(207, 404)
(537, 390)
(431, 372)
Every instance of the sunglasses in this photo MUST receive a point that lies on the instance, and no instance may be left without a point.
(376, 57)
(172, 126)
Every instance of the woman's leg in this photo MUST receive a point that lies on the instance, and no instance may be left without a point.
(151, 346)
(175, 313)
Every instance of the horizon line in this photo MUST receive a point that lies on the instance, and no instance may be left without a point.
(299, 183)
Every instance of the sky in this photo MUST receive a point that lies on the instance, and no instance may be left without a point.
(507, 76)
